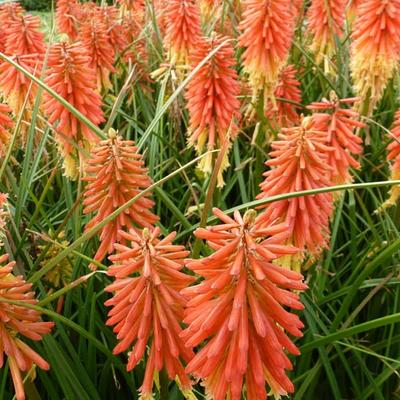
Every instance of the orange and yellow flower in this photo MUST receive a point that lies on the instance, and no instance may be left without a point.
(374, 50)
(267, 29)
(212, 100)
(299, 161)
(6, 123)
(325, 23)
(69, 74)
(288, 95)
(116, 174)
(237, 312)
(182, 19)
(15, 86)
(147, 308)
(17, 320)
(341, 124)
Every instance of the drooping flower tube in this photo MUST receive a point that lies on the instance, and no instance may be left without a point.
(147, 307)
(115, 174)
(237, 312)
(69, 74)
(374, 50)
(299, 161)
(341, 125)
(326, 20)
(212, 101)
(267, 29)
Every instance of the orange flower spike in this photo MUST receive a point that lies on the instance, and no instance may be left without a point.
(17, 321)
(111, 18)
(94, 38)
(284, 114)
(267, 28)
(299, 161)
(375, 49)
(326, 20)
(182, 19)
(6, 123)
(146, 307)
(15, 86)
(10, 12)
(116, 174)
(70, 75)
(393, 157)
(66, 19)
(212, 100)
(341, 125)
(23, 36)
(237, 310)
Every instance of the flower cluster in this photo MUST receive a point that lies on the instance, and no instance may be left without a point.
(238, 310)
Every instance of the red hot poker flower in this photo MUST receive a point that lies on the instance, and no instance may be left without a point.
(17, 321)
(147, 308)
(70, 75)
(95, 40)
(341, 124)
(299, 162)
(6, 123)
(15, 86)
(182, 19)
(284, 114)
(23, 36)
(238, 310)
(375, 48)
(116, 174)
(66, 19)
(325, 21)
(9, 12)
(212, 100)
(267, 30)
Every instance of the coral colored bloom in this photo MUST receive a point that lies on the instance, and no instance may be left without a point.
(110, 17)
(116, 174)
(238, 312)
(299, 162)
(15, 86)
(17, 321)
(341, 124)
(267, 29)
(375, 49)
(393, 156)
(147, 307)
(182, 19)
(9, 12)
(325, 22)
(212, 100)
(287, 92)
(6, 124)
(94, 38)
(23, 36)
(66, 19)
(69, 74)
